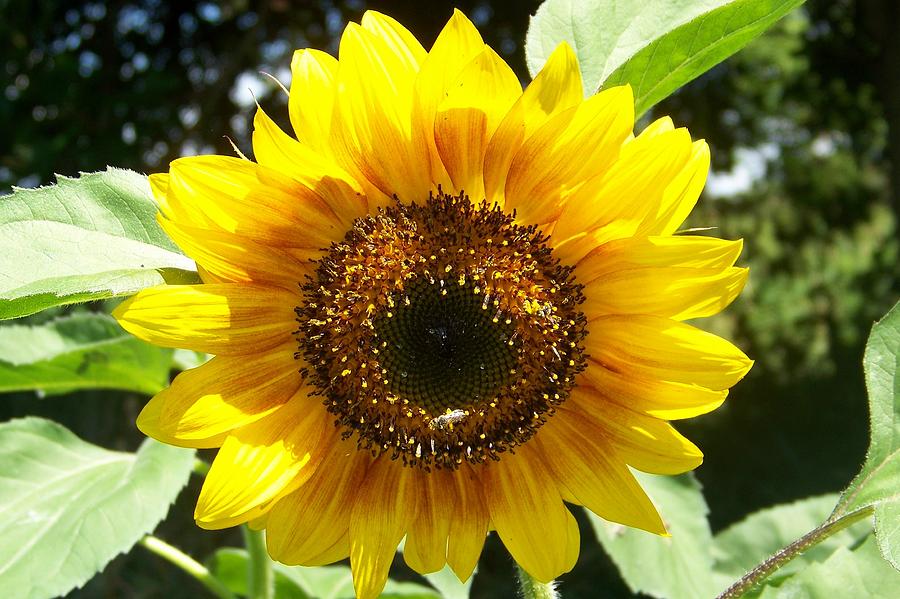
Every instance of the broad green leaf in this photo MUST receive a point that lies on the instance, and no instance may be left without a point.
(449, 585)
(293, 582)
(68, 507)
(740, 547)
(184, 359)
(82, 351)
(887, 530)
(687, 52)
(604, 33)
(878, 483)
(859, 573)
(83, 239)
(674, 567)
(669, 41)
(445, 580)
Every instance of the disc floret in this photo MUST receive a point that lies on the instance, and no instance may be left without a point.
(441, 332)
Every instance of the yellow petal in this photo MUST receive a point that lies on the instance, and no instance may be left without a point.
(401, 42)
(620, 198)
(681, 195)
(207, 276)
(324, 186)
(233, 258)
(595, 474)
(662, 399)
(258, 461)
(159, 186)
(681, 251)
(239, 196)
(566, 151)
(643, 442)
(472, 108)
(373, 132)
(311, 99)
(672, 292)
(231, 319)
(652, 347)
(556, 88)
(425, 549)
(657, 127)
(573, 539)
(226, 393)
(258, 523)
(457, 44)
(310, 526)
(148, 423)
(469, 525)
(384, 507)
(529, 514)
(196, 181)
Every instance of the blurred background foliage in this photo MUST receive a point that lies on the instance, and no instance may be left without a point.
(804, 127)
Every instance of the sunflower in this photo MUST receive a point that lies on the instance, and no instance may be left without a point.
(447, 306)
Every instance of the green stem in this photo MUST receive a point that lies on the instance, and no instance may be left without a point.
(187, 564)
(533, 589)
(758, 574)
(261, 577)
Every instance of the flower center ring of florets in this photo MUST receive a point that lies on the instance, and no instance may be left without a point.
(441, 332)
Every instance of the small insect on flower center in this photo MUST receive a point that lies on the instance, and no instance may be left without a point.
(441, 332)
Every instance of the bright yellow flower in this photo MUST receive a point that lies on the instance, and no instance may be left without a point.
(450, 307)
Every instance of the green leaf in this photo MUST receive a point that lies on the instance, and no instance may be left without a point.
(887, 531)
(740, 547)
(859, 573)
(83, 239)
(183, 359)
(294, 582)
(878, 483)
(655, 45)
(82, 351)
(449, 585)
(68, 507)
(674, 567)
(687, 52)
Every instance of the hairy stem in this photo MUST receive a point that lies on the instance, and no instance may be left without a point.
(188, 565)
(813, 537)
(261, 577)
(533, 589)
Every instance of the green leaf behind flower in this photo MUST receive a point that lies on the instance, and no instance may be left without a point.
(857, 572)
(740, 547)
(81, 351)
(449, 586)
(673, 567)
(68, 507)
(687, 52)
(655, 45)
(878, 483)
(83, 239)
(294, 582)
(183, 359)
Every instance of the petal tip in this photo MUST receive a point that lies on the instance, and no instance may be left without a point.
(120, 311)
(148, 420)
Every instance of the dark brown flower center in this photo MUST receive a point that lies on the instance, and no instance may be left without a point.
(441, 332)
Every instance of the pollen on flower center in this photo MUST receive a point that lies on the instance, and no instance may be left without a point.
(441, 332)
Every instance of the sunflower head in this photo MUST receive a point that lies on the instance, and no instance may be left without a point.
(446, 305)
